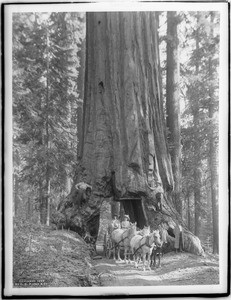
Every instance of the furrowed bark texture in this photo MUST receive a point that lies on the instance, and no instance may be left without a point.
(173, 105)
(123, 121)
(197, 154)
(122, 103)
(213, 161)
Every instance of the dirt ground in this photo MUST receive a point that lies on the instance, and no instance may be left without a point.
(43, 257)
(176, 269)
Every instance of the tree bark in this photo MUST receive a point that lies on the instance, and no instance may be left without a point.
(43, 205)
(47, 144)
(120, 112)
(16, 183)
(45, 191)
(173, 106)
(188, 212)
(197, 154)
(214, 186)
(213, 161)
(197, 199)
(124, 150)
(81, 97)
(29, 209)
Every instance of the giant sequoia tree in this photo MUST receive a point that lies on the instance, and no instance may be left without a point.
(123, 148)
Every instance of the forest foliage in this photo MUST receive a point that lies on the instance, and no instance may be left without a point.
(198, 39)
(46, 95)
(45, 101)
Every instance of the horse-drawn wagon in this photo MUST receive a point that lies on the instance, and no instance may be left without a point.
(116, 242)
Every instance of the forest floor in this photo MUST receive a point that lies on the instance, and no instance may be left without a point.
(176, 269)
(43, 257)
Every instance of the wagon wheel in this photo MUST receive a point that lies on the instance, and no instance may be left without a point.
(105, 239)
(109, 248)
(107, 245)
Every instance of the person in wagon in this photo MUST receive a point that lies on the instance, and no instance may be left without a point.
(126, 222)
(115, 223)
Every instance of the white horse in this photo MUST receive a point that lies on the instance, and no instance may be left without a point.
(143, 245)
(126, 242)
(144, 231)
(119, 237)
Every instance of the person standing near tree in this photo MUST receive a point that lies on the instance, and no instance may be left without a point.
(179, 240)
(82, 194)
(158, 196)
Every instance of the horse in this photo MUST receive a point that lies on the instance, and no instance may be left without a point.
(158, 250)
(144, 245)
(144, 231)
(131, 231)
(118, 236)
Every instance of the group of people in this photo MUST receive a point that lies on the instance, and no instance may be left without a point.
(116, 224)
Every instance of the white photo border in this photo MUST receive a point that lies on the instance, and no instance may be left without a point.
(221, 288)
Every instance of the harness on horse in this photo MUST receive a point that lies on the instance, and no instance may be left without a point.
(147, 243)
(126, 237)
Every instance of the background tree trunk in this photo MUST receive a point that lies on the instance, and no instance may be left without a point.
(197, 198)
(197, 154)
(16, 184)
(81, 97)
(46, 202)
(123, 125)
(173, 106)
(188, 212)
(213, 160)
(43, 205)
(214, 187)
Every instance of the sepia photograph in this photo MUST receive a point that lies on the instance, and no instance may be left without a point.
(116, 149)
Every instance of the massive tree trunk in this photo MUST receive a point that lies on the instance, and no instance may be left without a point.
(124, 150)
(173, 106)
(122, 103)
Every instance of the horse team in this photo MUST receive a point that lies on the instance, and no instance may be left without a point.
(141, 244)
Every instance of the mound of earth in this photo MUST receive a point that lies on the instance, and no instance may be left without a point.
(43, 257)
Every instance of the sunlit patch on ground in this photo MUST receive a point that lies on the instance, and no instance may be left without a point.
(176, 269)
(106, 265)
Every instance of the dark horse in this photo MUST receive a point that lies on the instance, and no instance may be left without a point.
(156, 251)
